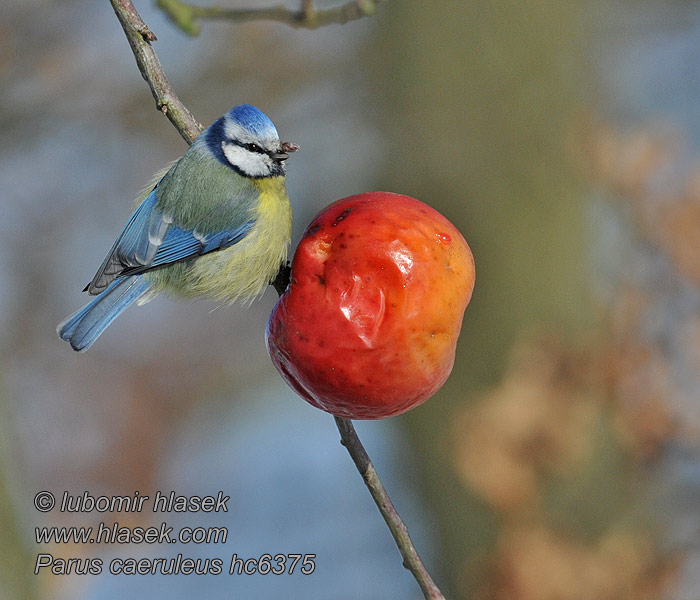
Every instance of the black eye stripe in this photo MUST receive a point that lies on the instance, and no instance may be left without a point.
(253, 148)
(250, 146)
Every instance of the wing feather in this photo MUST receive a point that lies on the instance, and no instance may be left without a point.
(150, 240)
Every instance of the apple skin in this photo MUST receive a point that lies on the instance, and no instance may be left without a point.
(368, 326)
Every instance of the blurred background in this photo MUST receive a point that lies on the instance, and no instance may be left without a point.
(560, 461)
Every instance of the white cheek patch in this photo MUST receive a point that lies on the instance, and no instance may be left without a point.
(252, 164)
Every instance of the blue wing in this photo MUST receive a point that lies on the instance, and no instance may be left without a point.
(150, 240)
(179, 244)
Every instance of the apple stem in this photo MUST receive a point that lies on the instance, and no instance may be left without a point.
(399, 531)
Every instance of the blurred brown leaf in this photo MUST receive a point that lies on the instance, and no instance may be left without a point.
(638, 376)
(648, 167)
(538, 421)
(535, 563)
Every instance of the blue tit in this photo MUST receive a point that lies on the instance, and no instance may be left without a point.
(217, 224)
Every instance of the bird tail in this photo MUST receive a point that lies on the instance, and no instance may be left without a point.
(83, 327)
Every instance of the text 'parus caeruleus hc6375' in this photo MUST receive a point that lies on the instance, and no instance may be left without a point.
(217, 224)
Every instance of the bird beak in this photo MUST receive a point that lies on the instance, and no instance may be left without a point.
(286, 148)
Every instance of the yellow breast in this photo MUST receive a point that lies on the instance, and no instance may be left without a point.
(243, 271)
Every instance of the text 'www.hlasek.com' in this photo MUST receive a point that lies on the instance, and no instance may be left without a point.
(129, 532)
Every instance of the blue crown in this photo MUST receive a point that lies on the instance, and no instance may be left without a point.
(252, 119)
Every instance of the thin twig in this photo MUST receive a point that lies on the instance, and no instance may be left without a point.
(411, 560)
(186, 15)
(140, 38)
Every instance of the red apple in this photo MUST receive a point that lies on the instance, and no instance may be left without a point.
(369, 323)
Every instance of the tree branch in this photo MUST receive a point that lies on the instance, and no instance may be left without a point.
(186, 15)
(140, 38)
(411, 560)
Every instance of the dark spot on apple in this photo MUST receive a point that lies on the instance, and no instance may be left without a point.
(343, 246)
(313, 229)
(321, 279)
(342, 216)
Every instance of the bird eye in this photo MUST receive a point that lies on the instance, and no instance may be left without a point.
(254, 148)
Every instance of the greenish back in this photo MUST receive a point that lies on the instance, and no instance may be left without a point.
(201, 193)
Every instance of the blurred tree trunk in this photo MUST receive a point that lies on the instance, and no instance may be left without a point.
(481, 97)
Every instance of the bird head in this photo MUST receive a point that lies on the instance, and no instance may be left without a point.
(246, 140)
